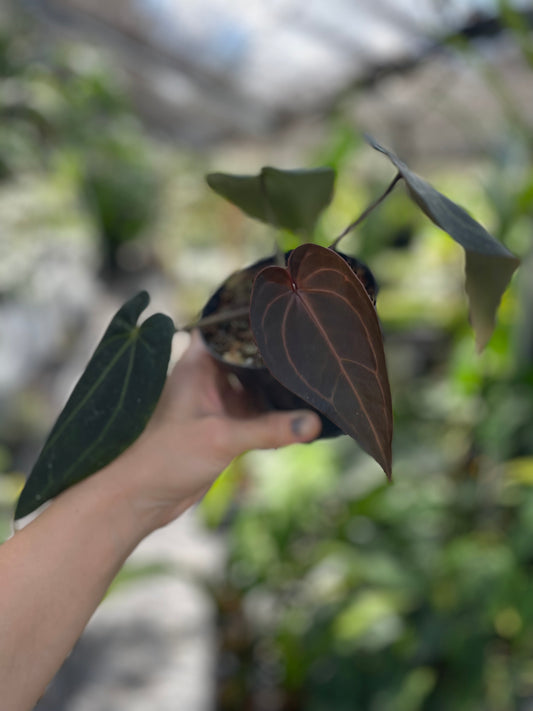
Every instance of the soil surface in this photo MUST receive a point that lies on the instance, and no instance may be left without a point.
(233, 340)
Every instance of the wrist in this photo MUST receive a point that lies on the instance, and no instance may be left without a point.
(129, 488)
(109, 509)
(120, 502)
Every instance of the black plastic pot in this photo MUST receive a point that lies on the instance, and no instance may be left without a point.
(262, 386)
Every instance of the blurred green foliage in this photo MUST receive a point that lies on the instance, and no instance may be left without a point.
(62, 105)
(360, 595)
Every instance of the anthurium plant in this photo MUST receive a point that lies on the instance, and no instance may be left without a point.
(296, 327)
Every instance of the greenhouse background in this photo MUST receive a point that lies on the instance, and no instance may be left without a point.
(303, 581)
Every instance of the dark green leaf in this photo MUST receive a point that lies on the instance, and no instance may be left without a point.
(288, 199)
(109, 406)
(489, 265)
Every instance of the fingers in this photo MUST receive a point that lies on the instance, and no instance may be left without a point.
(193, 368)
(199, 387)
(196, 345)
(195, 352)
(275, 429)
(206, 386)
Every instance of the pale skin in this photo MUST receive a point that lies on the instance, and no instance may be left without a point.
(55, 572)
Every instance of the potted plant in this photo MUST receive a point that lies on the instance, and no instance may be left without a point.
(295, 326)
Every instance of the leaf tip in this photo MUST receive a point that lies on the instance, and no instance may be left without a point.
(371, 141)
(142, 299)
(210, 178)
(386, 465)
(25, 505)
(480, 343)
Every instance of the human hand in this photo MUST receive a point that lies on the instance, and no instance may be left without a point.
(201, 423)
(56, 570)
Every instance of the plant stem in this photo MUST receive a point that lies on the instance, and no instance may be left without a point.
(220, 317)
(367, 212)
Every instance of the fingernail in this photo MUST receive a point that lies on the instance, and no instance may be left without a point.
(303, 426)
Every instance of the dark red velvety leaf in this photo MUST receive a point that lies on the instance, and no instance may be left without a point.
(319, 335)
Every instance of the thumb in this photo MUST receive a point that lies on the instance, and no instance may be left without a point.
(277, 429)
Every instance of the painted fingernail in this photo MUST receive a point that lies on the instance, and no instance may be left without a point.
(303, 426)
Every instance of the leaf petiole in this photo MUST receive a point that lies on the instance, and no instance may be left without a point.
(367, 212)
(219, 317)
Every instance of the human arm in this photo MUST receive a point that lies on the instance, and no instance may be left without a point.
(56, 570)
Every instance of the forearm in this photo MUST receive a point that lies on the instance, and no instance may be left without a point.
(54, 574)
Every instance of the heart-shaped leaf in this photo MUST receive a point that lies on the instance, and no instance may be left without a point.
(289, 199)
(489, 265)
(319, 335)
(109, 406)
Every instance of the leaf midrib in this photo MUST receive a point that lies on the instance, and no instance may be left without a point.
(105, 372)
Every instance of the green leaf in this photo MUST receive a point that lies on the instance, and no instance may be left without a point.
(109, 406)
(289, 199)
(489, 265)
